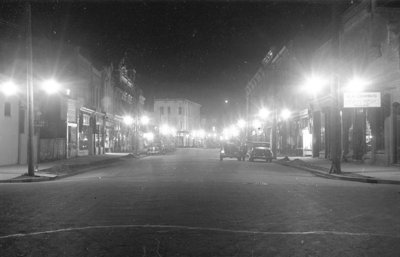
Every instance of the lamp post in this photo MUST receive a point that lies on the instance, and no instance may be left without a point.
(314, 85)
(29, 91)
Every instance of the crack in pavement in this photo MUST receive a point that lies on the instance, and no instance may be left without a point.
(177, 227)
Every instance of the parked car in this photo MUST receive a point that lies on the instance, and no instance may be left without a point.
(154, 149)
(231, 150)
(260, 150)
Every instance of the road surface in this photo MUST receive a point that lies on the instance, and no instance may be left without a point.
(191, 204)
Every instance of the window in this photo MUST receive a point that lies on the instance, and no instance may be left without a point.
(169, 110)
(180, 110)
(86, 120)
(162, 110)
(7, 109)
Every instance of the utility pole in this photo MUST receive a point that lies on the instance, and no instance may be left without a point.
(29, 90)
(335, 119)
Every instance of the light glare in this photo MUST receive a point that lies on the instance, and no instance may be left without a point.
(149, 136)
(128, 120)
(9, 88)
(241, 123)
(263, 113)
(51, 86)
(356, 84)
(144, 120)
(285, 114)
(315, 84)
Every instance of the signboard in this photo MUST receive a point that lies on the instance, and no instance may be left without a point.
(361, 99)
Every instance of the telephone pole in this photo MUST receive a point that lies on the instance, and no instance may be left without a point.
(335, 119)
(29, 91)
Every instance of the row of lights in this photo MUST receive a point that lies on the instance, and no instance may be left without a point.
(263, 114)
(315, 84)
(129, 120)
(50, 86)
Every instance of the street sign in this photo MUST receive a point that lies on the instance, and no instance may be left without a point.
(361, 99)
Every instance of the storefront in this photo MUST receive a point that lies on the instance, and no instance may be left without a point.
(99, 134)
(108, 136)
(85, 132)
(72, 130)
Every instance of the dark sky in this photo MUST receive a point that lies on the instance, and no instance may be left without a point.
(203, 51)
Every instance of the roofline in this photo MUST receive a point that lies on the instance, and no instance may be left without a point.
(176, 99)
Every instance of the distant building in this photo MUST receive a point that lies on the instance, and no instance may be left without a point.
(182, 114)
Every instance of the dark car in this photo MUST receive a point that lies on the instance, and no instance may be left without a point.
(154, 149)
(231, 150)
(260, 151)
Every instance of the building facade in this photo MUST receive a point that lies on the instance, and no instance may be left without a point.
(367, 47)
(85, 117)
(182, 114)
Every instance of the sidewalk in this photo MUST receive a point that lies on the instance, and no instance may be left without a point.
(352, 171)
(57, 169)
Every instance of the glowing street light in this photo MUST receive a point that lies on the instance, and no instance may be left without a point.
(166, 130)
(256, 124)
(128, 120)
(149, 136)
(356, 84)
(315, 84)
(144, 120)
(201, 133)
(51, 86)
(241, 123)
(9, 88)
(285, 114)
(263, 113)
(226, 101)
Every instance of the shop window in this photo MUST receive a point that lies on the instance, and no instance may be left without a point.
(7, 109)
(85, 133)
(86, 120)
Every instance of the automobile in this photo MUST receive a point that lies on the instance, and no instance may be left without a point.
(231, 150)
(260, 150)
(156, 149)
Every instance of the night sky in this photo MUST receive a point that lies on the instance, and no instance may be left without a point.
(203, 51)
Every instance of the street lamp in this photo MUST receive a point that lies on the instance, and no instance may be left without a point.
(144, 120)
(9, 88)
(149, 136)
(128, 120)
(51, 86)
(285, 114)
(263, 113)
(356, 84)
(241, 123)
(315, 84)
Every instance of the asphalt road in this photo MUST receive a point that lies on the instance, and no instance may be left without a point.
(191, 204)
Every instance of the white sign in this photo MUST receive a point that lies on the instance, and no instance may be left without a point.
(361, 99)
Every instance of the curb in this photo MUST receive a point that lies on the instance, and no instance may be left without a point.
(319, 173)
(74, 168)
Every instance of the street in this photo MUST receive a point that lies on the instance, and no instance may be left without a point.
(189, 203)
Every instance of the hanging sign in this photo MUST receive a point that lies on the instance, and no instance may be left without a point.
(361, 99)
